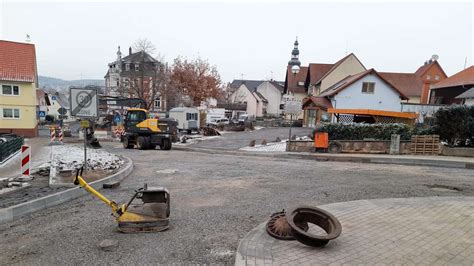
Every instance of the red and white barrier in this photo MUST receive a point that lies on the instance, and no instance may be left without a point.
(25, 160)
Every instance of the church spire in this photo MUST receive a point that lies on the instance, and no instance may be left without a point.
(119, 54)
(295, 55)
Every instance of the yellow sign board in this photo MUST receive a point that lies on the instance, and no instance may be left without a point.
(84, 123)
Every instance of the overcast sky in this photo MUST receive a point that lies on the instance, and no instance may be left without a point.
(75, 40)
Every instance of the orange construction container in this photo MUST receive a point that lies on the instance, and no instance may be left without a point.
(321, 140)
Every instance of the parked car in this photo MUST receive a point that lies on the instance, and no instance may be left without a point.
(221, 121)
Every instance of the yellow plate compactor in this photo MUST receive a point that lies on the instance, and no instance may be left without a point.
(149, 215)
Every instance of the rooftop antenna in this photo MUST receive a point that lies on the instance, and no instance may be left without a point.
(28, 38)
(271, 75)
(465, 62)
(347, 46)
(242, 76)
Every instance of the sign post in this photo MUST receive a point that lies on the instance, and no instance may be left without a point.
(292, 108)
(84, 103)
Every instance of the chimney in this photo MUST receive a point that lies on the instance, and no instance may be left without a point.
(130, 50)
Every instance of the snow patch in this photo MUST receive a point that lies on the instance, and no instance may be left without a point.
(70, 157)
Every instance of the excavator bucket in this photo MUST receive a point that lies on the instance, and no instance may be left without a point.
(151, 214)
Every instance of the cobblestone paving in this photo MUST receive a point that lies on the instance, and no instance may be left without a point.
(429, 231)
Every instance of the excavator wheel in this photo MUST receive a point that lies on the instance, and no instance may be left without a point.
(142, 143)
(165, 144)
(126, 143)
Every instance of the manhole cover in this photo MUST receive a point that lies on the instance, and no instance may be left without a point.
(444, 188)
(279, 228)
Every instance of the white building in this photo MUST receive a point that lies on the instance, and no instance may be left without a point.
(262, 98)
(364, 91)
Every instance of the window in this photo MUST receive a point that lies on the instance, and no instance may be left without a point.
(436, 77)
(300, 83)
(428, 77)
(191, 116)
(127, 67)
(368, 87)
(11, 113)
(158, 103)
(136, 67)
(10, 90)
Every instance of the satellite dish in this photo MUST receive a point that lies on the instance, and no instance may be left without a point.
(435, 57)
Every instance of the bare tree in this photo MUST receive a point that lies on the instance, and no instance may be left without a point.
(144, 45)
(196, 79)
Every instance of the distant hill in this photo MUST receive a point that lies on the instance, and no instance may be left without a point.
(61, 84)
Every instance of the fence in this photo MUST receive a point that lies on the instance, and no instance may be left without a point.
(10, 147)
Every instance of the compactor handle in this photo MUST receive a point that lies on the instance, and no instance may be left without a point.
(76, 180)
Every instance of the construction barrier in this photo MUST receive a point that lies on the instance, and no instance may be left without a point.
(56, 134)
(25, 160)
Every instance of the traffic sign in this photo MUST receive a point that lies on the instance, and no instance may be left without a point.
(84, 102)
(84, 123)
(53, 98)
(41, 113)
(117, 118)
(62, 111)
(293, 107)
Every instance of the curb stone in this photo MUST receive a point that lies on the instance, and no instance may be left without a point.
(346, 158)
(14, 212)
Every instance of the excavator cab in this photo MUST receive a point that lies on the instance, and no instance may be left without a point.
(134, 116)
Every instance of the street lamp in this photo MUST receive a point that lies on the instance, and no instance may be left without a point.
(291, 108)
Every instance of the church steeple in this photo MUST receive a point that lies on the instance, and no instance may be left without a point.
(295, 55)
(119, 54)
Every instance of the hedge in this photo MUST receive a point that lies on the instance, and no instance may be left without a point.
(455, 125)
(360, 131)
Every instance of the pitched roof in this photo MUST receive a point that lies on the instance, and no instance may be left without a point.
(409, 83)
(349, 80)
(139, 57)
(17, 61)
(250, 84)
(261, 96)
(323, 102)
(462, 78)
(467, 94)
(317, 71)
(292, 80)
(278, 85)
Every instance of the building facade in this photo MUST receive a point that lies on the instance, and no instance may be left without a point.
(134, 76)
(18, 83)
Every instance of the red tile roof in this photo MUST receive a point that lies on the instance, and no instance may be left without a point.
(292, 80)
(317, 71)
(346, 82)
(462, 78)
(409, 83)
(17, 62)
(322, 102)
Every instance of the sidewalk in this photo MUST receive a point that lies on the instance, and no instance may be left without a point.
(437, 161)
(428, 231)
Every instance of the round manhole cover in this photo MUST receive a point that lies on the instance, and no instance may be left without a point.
(279, 228)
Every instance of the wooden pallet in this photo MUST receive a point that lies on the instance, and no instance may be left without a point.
(425, 145)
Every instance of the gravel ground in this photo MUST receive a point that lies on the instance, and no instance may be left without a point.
(215, 201)
(237, 140)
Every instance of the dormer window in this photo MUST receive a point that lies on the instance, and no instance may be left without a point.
(127, 67)
(436, 77)
(428, 77)
(136, 67)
